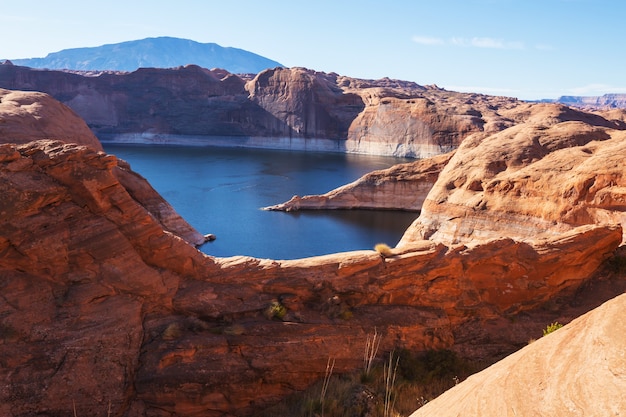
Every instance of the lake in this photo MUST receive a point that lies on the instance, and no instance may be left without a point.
(222, 190)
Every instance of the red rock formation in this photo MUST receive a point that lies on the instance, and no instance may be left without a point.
(33, 115)
(304, 103)
(26, 116)
(558, 170)
(403, 122)
(105, 305)
(79, 259)
(100, 305)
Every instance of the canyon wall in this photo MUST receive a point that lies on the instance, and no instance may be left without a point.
(102, 307)
(604, 102)
(401, 187)
(381, 117)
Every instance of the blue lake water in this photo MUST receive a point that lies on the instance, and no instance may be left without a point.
(221, 191)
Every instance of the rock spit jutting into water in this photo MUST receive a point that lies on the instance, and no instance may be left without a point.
(105, 303)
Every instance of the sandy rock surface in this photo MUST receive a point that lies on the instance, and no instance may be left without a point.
(578, 370)
(559, 169)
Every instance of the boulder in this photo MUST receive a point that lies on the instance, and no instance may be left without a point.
(27, 116)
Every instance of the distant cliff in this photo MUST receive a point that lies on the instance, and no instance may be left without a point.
(607, 101)
(293, 108)
(161, 52)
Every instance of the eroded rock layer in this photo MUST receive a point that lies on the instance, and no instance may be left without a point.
(558, 170)
(105, 304)
(101, 307)
(401, 187)
(293, 108)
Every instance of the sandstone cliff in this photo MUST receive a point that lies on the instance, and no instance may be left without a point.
(101, 307)
(28, 116)
(578, 370)
(292, 108)
(558, 170)
(554, 169)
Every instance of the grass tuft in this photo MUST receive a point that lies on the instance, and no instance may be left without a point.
(396, 387)
(384, 250)
(552, 327)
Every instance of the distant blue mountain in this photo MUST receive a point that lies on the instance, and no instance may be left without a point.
(162, 52)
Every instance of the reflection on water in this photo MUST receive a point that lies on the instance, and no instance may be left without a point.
(221, 191)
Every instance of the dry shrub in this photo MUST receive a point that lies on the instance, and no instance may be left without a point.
(384, 250)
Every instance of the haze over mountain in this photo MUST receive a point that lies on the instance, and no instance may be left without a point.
(160, 52)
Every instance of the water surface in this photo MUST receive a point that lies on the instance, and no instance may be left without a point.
(221, 191)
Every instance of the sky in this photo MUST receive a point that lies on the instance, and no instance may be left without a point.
(529, 49)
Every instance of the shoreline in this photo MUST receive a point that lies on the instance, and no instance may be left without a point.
(257, 142)
(338, 146)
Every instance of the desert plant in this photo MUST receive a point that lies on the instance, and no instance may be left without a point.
(383, 250)
(371, 348)
(390, 372)
(552, 327)
(275, 310)
(329, 372)
(349, 395)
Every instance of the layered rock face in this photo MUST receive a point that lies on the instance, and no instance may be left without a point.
(291, 108)
(577, 370)
(102, 307)
(27, 116)
(555, 169)
(78, 256)
(558, 170)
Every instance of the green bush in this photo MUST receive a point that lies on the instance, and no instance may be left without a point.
(552, 327)
(275, 310)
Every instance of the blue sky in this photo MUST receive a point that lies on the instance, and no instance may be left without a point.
(528, 49)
